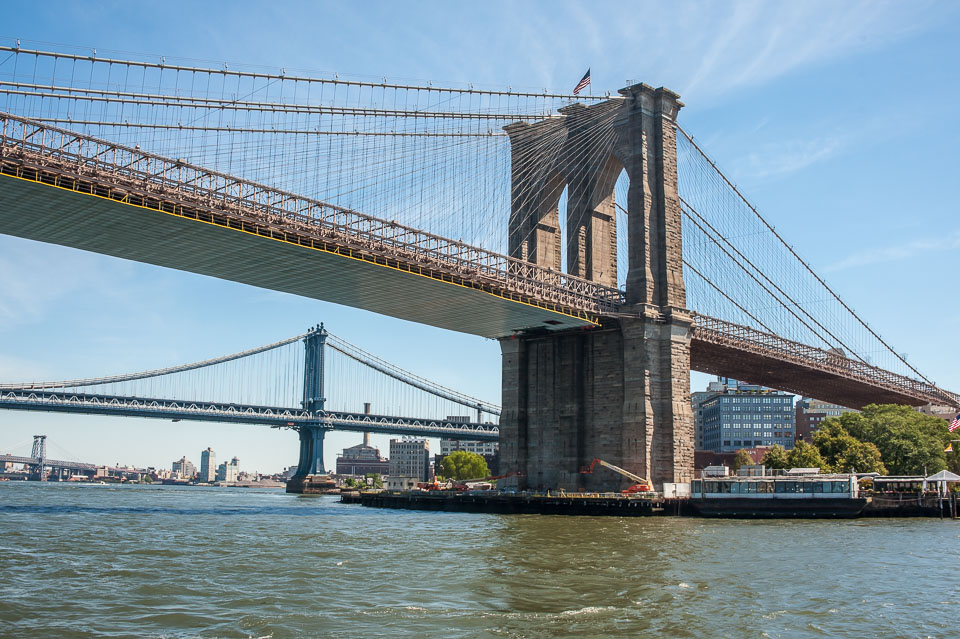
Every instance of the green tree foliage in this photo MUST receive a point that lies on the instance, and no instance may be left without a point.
(742, 458)
(910, 443)
(844, 453)
(462, 464)
(804, 455)
(953, 460)
(377, 480)
(776, 458)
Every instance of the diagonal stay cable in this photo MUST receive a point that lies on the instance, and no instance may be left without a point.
(795, 255)
(839, 341)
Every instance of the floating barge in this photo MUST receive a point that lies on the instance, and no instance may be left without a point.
(778, 496)
(487, 501)
(813, 496)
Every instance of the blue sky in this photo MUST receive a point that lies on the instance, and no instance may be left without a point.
(838, 120)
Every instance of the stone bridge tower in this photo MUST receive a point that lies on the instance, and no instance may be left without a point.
(620, 392)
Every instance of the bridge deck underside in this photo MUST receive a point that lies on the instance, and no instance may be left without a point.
(51, 214)
(781, 374)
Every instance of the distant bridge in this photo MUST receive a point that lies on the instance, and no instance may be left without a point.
(311, 365)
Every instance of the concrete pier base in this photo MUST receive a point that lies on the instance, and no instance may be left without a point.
(620, 393)
(313, 485)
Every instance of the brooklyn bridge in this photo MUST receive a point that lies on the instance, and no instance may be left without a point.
(591, 235)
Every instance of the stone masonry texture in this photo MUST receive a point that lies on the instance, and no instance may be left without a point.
(619, 392)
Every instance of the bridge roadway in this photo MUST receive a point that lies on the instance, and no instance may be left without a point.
(53, 463)
(64, 188)
(277, 417)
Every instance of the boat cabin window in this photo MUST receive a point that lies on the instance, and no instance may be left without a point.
(786, 487)
(840, 486)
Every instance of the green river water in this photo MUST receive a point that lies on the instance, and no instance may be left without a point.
(166, 561)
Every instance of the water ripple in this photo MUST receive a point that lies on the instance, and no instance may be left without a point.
(124, 561)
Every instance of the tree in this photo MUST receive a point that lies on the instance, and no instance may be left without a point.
(844, 453)
(776, 458)
(742, 458)
(804, 455)
(462, 464)
(910, 443)
(377, 480)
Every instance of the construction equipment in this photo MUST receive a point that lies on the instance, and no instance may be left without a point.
(461, 485)
(642, 485)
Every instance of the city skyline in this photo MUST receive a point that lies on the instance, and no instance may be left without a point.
(805, 122)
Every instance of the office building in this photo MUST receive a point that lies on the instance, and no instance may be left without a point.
(183, 469)
(697, 398)
(409, 462)
(229, 471)
(735, 415)
(208, 466)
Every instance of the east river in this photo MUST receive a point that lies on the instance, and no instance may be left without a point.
(152, 561)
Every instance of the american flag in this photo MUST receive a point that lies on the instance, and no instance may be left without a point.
(955, 424)
(582, 84)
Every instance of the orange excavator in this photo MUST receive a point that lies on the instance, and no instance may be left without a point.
(641, 486)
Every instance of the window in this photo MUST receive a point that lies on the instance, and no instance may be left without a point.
(840, 486)
(786, 487)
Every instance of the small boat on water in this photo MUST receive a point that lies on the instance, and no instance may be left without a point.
(800, 495)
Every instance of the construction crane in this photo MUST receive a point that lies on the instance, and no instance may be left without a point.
(641, 485)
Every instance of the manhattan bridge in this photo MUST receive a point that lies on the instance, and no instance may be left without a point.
(590, 235)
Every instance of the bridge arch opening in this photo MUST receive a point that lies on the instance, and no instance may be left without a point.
(620, 190)
(591, 243)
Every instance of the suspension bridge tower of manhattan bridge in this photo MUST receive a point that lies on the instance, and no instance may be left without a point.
(620, 392)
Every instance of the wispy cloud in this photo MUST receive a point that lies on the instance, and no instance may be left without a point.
(750, 43)
(787, 157)
(897, 252)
